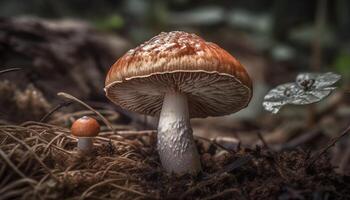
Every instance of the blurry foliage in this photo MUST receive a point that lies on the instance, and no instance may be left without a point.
(112, 22)
(58, 9)
(267, 24)
(342, 64)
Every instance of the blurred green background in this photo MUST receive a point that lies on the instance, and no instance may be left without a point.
(282, 30)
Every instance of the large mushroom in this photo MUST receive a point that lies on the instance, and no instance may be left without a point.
(178, 76)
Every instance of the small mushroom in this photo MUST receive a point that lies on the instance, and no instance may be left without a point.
(177, 76)
(85, 129)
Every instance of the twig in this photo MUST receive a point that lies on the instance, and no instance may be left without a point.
(305, 137)
(316, 50)
(124, 114)
(6, 193)
(56, 147)
(320, 21)
(59, 106)
(9, 70)
(85, 193)
(215, 143)
(31, 152)
(314, 158)
(108, 168)
(109, 114)
(223, 193)
(137, 133)
(3, 168)
(262, 139)
(53, 140)
(344, 163)
(133, 191)
(9, 163)
(14, 193)
(68, 96)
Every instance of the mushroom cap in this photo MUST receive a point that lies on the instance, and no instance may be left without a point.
(215, 82)
(85, 127)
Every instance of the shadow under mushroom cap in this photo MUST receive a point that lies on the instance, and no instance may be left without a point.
(208, 93)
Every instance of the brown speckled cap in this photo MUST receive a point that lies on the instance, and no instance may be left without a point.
(214, 81)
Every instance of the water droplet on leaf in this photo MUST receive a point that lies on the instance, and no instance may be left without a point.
(308, 88)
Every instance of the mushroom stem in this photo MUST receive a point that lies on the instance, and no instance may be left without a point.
(176, 147)
(85, 144)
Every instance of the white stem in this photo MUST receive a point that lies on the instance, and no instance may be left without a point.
(176, 147)
(85, 144)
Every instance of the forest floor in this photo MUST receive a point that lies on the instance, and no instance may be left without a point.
(40, 161)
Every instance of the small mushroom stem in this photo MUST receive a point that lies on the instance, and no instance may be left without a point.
(85, 144)
(176, 146)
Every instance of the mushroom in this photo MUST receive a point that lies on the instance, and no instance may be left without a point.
(178, 76)
(85, 129)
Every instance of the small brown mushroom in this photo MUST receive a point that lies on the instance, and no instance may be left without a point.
(85, 129)
(178, 76)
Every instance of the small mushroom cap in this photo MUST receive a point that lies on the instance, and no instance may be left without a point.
(215, 82)
(85, 127)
